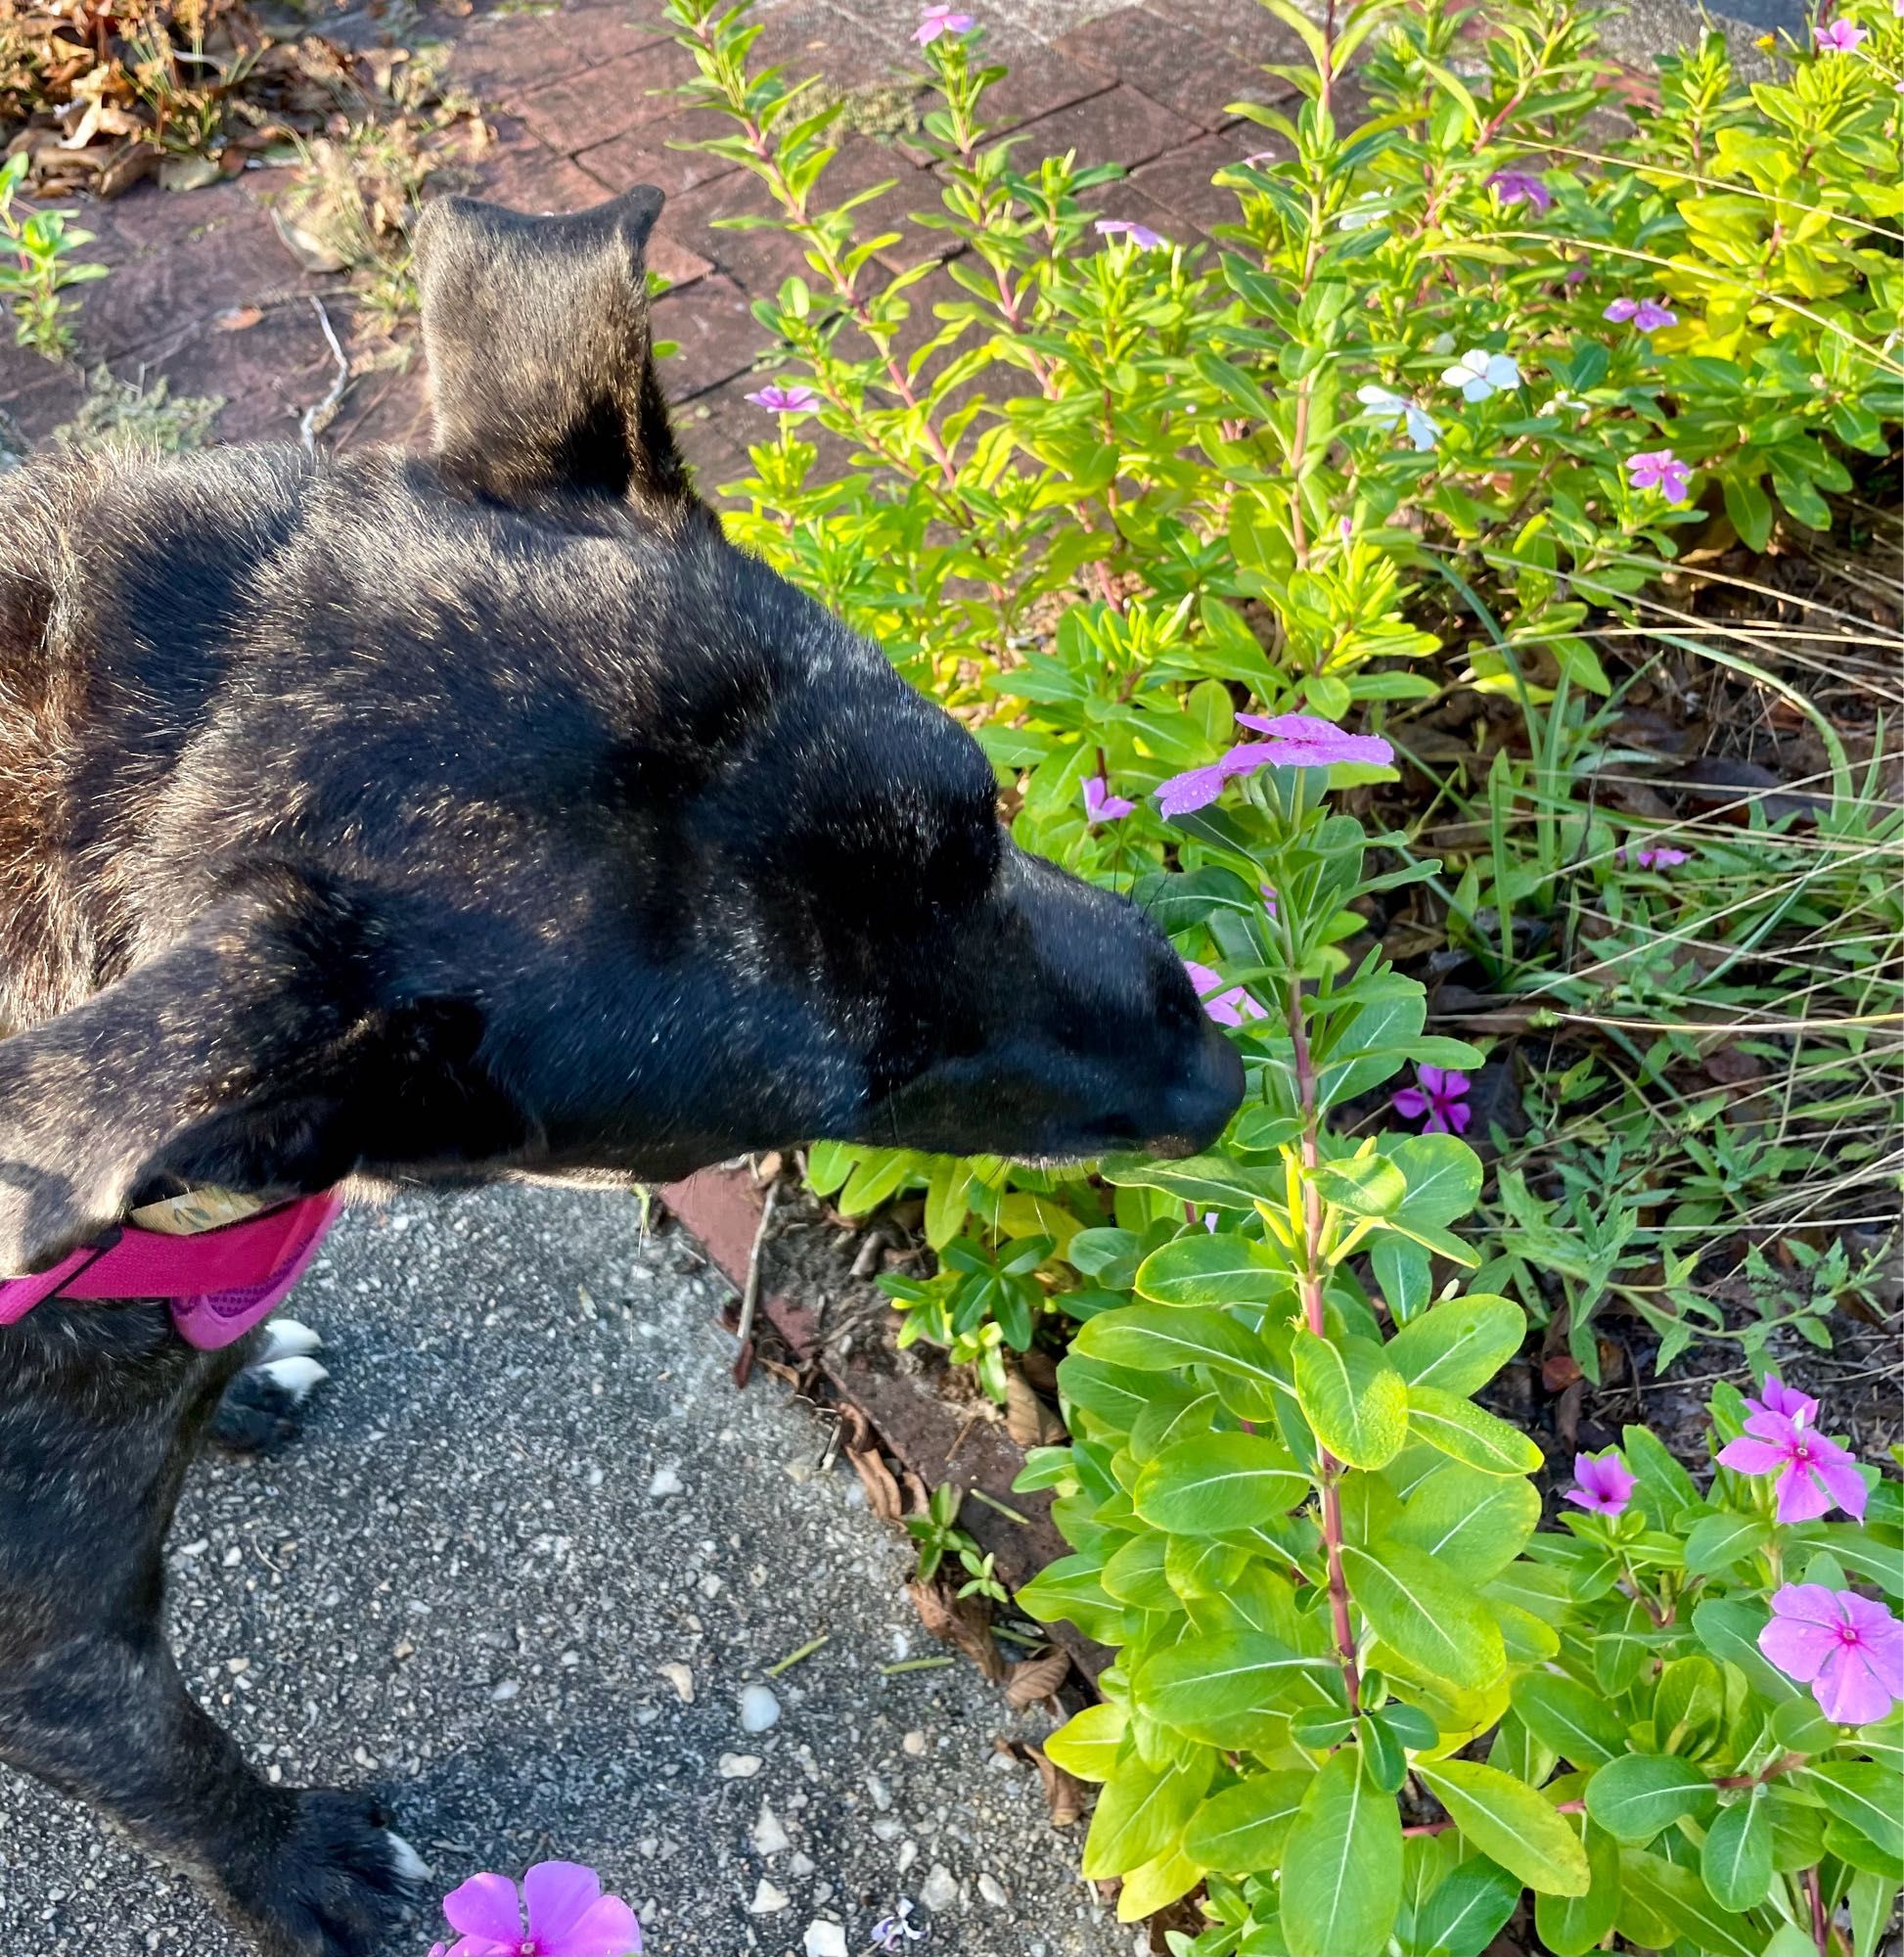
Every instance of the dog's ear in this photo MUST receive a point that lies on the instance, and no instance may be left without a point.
(263, 1052)
(540, 352)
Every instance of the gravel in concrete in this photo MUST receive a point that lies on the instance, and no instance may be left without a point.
(524, 1573)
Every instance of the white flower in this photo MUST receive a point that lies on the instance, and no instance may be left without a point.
(1443, 343)
(1561, 401)
(1423, 431)
(1478, 374)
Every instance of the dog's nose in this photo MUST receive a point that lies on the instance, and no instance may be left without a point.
(1197, 1109)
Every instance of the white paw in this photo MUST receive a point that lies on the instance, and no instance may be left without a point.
(410, 1867)
(287, 1339)
(294, 1377)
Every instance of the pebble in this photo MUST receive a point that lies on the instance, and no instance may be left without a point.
(914, 1743)
(800, 1864)
(939, 1890)
(759, 1709)
(908, 1855)
(681, 1678)
(505, 1689)
(767, 1900)
(881, 1792)
(825, 1940)
(666, 1481)
(738, 1766)
(993, 1891)
(769, 1836)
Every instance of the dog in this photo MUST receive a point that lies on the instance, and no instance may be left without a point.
(434, 819)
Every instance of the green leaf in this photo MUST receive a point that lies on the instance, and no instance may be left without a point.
(1635, 1797)
(1090, 1743)
(1203, 1269)
(1579, 1725)
(1717, 1542)
(1665, 1487)
(1464, 1433)
(1678, 1897)
(1442, 1173)
(1863, 1796)
(1363, 1185)
(1729, 1627)
(1402, 1273)
(1736, 1857)
(1229, 1689)
(1218, 1483)
(1242, 1829)
(1141, 1812)
(1474, 1524)
(1352, 1396)
(1115, 1393)
(1429, 1615)
(1509, 1824)
(1134, 1575)
(1200, 1179)
(1074, 1587)
(1467, 1911)
(1460, 1346)
(1341, 1865)
(1164, 1338)
(1572, 1926)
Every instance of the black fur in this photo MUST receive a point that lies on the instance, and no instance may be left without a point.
(436, 819)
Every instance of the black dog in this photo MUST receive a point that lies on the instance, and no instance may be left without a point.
(437, 819)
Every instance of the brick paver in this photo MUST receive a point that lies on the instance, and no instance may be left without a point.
(580, 104)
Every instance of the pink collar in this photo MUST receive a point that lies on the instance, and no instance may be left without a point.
(219, 1283)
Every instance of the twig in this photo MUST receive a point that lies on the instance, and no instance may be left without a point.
(751, 1292)
(794, 1658)
(992, 1502)
(318, 417)
(914, 1665)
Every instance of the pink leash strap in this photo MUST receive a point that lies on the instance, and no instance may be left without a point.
(219, 1284)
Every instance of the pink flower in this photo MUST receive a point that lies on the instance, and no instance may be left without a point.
(1227, 1008)
(1661, 468)
(1140, 235)
(786, 400)
(1439, 1095)
(1185, 793)
(1847, 1649)
(1839, 38)
(567, 1915)
(1779, 1398)
(1297, 740)
(1647, 315)
(1655, 857)
(1814, 1474)
(1606, 1483)
(941, 20)
(1100, 805)
(1269, 898)
(1522, 187)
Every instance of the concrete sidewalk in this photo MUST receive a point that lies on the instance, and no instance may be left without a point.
(530, 1486)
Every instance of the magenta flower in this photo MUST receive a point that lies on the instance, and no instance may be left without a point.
(1269, 898)
(1297, 740)
(1779, 1398)
(1655, 857)
(941, 20)
(1661, 470)
(1440, 1094)
(1647, 315)
(1140, 235)
(1229, 1007)
(1814, 1474)
(1185, 793)
(568, 1916)
(1839, 38)
(1100, 805)
(1847, 1649)
(1606, 1483)
(786, 400)
(1522, 187)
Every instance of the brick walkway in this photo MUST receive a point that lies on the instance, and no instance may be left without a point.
(572, 97)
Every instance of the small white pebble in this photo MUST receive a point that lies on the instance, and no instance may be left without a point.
(769, 1836)
(993, 1891)
(767, 1899)
(738, 1766)
(825, 1940)
(505, 1689)
(681, 1678)
(666, 1481)
(759, 1709)
(915, 1743)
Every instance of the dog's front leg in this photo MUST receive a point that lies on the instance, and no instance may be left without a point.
(99, 1413)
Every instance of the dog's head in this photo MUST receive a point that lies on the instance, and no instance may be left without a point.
(644, 859)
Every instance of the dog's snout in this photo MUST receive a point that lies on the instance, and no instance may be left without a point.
(1197, 1109)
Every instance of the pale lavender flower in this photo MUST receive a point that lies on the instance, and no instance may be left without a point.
(1647, 315)
(1849, 1649)
(1522, 187)
(1606, 1483)
(1479, 374)
(1100, 805)
(1441, 1095)
(941, 20)
(1839, 38)
(1661, 470)
(1227, 1005)
(778, 400)
(1384, 405)
(892, 1932)
(1140, 235)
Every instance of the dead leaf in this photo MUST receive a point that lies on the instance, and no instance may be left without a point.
(130, 163)
(1065, 1795)
(963, 1622)
(875, 1478)
(1037, 1678)
(1027, 1419)
(1559, 1372)
(238, 319)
